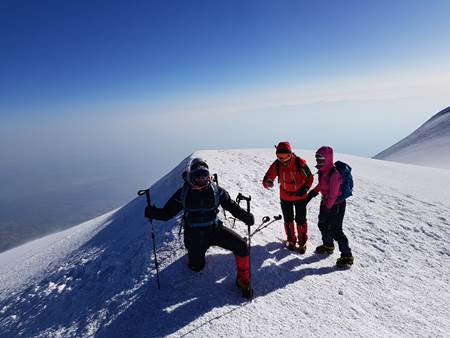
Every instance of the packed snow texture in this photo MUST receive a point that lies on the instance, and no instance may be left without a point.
(429, 145)
(98, 279)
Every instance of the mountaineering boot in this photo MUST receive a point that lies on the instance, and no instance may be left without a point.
(290, 245)
(345, 262)
(301, 248)
(243, 276)
(290, 234)
(245, 288)
(325, 249)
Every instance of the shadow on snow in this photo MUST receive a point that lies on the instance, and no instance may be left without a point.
(186, 295)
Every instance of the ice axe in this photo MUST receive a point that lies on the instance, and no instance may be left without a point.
(146, 192)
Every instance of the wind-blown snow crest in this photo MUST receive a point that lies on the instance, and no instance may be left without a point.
(98, 279)
(429, 145)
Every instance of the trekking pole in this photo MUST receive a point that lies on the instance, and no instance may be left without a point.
(238, 201)
(258, 229)
(147, 195)
(248, 199)
(264, 220)
(216, 179)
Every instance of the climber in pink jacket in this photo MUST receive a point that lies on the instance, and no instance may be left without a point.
(332, 209)
(329, 178)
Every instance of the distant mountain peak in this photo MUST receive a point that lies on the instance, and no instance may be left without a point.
(428, 145)
(440, 114)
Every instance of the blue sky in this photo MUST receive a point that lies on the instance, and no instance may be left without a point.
(71, 56)
(121, 91)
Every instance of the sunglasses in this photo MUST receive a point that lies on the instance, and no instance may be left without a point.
(320, 160)
(283, 157)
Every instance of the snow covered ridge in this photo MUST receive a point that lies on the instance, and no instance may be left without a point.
(98, 279)
(429, 145)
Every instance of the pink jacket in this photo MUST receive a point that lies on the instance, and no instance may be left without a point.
(329, 179)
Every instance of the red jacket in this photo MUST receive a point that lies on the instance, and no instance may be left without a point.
(294, 183)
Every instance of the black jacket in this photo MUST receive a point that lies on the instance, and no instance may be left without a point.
(199, 199)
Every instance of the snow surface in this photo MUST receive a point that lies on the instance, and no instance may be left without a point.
(98, 279)
(429, 145)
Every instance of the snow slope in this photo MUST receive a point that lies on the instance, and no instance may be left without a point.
(429, 145)
(97, 279)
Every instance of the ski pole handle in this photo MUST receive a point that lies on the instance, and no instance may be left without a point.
(216, 180)
(147, 194)
(266, 224)
(265, 219)
(238, 201)
(275, 218)
(245, 198)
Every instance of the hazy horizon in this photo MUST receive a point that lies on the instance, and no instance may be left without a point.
(53, 189)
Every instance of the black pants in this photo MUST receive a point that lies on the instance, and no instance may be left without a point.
(287, 208)
(331, 228)
(198, 240)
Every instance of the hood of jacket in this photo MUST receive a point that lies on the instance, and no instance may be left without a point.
(327, 153)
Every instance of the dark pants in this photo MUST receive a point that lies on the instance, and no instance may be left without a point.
(198, 240)
(331, 228)
(287, 208)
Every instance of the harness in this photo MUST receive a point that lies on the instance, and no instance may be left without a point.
(187, 211)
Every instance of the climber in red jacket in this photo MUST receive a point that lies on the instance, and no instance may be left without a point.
(295, 179)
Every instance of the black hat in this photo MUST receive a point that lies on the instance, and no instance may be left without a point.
(197, 162)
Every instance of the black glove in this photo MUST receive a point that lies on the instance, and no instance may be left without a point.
(311, 195)
(149, 211)
(323, 215)
(302, 191)
(268, 184)
(249, 219)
